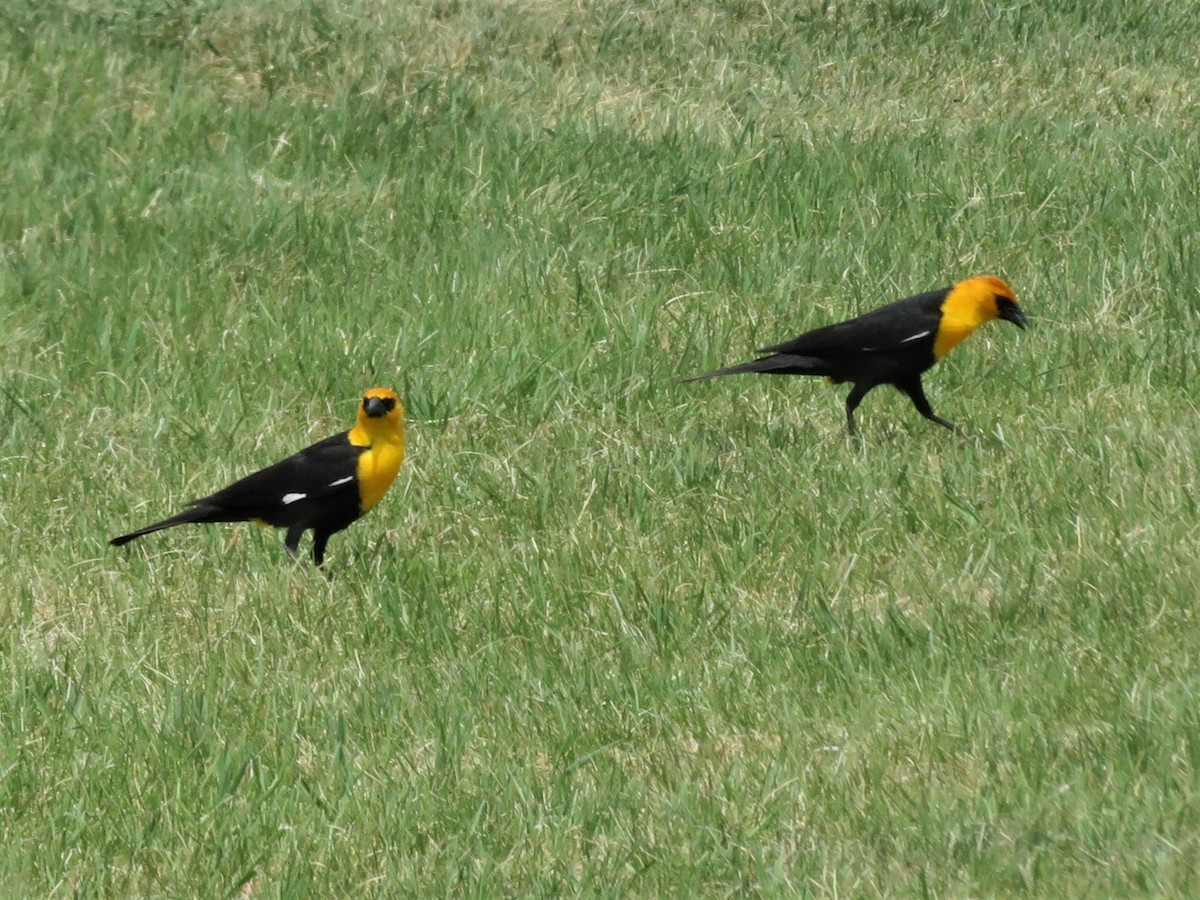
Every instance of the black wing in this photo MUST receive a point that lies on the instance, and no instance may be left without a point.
(296, 489)
(904, 324)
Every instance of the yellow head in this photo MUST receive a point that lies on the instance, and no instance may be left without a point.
(380, 428)
(969, 304)
(381, 414)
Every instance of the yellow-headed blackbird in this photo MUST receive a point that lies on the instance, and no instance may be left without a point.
(891, 345)
(324, 487)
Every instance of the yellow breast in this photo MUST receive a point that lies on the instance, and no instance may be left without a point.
(377, 468)
(951, 333)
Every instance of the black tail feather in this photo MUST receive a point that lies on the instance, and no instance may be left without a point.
(730, 370)
(778, 364)
(195, 514)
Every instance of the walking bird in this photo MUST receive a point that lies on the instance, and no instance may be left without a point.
(893, 345)
(324, 487)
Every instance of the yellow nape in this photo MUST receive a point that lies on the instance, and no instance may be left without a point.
(969, 304)
(383, 436)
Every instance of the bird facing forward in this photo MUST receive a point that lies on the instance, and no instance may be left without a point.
(324, 487)
(892, 345)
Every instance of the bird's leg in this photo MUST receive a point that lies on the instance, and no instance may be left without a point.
(292, 542)
(320, 539)
(856, 397)
(915, 392)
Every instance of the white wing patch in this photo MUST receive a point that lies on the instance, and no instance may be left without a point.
(341, 481)
(911, 337)
(292, 498)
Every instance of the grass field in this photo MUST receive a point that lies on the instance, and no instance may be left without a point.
(609, 634)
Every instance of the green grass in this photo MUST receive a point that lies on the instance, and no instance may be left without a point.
(609, 634)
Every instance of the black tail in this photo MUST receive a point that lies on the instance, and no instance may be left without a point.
(730, 370)
(778, 364)
(195, 514)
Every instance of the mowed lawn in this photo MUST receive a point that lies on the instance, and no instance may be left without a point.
(609, 634)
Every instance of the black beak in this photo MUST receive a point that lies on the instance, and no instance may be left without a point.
(375, 408)
(1010, 312)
